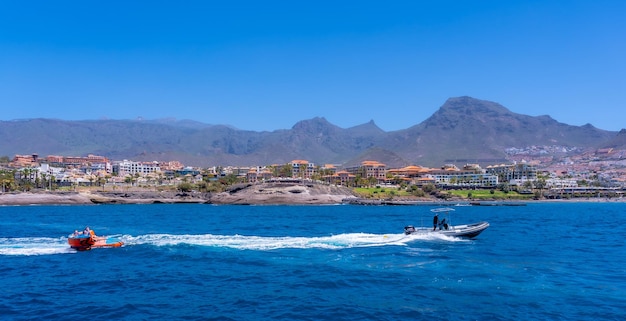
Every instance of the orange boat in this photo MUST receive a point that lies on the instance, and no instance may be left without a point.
(84, 242)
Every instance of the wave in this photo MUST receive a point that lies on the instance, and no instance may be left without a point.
(34, 246)
(47, 245)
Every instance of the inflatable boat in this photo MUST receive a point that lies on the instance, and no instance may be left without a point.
(444, 227)
(88, 240)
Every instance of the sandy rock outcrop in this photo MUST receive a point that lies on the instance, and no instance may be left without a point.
(297, 192)
(44, 198)
(147, 197)
(284, 193)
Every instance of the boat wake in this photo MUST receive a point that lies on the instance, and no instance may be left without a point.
(47, 245)
(242, 242)
(35, 246)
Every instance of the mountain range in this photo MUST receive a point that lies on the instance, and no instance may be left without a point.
(464, 129)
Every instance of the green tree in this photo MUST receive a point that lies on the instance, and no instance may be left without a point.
(540, 184)
(7, 180)
(416, 191)
(203, 186)
(44, 180)
(528, 184)
(429, 188)
(372, 181)
(505, 187)
(185, 187)
(229, 179)
(24, 183)
(101, 182)
(284, 171)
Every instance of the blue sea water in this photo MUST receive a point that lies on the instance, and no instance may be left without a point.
(548, 261)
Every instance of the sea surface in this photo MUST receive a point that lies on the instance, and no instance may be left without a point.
(545, 261)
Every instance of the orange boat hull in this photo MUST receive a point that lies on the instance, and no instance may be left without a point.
(81, 242)
(84, 243)
(107, 242)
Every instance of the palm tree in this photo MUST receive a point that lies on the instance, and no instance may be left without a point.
(43, 179)
(372, 181)
(25, 182)
(540, 184)
(160, 178)
(101, 182)
(528, 184)
(7, 179)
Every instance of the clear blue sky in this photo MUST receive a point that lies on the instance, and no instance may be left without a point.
(265, 65)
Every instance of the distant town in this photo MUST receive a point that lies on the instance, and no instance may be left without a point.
(533, 171)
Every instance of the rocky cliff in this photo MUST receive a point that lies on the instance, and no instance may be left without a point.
(284, 193)
(297, 192)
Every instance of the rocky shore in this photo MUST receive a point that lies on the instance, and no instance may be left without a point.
(284, 193)
(279, 193)
(266, 193)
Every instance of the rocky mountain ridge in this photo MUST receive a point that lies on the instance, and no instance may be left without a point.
(464, 129)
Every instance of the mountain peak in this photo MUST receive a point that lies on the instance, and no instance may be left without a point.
(367, 129)
(466, 104)
(467, 111)
(314, 125)
(618, 142)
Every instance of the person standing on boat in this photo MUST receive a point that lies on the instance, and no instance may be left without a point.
(435, 221)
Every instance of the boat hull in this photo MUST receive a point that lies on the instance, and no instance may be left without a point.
(87, 242)
(464, 231)
(108, 242)
(81, 242)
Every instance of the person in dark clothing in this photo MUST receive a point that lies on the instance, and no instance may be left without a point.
(435, 221)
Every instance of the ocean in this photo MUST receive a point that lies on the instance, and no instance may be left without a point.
(543, 261)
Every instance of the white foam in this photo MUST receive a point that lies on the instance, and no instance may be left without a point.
(436, 237)
(46, 245)
(34, 246)
(340, 241)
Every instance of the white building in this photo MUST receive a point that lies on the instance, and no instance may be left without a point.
(463, 178)
(127, 167)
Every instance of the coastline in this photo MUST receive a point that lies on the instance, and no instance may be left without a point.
(43, 198)
(252, 195)
(243, 194)
(87, 198)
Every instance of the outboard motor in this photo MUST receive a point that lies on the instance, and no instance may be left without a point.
(409, 229)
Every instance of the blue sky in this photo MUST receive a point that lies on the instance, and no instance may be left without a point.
(265, 65)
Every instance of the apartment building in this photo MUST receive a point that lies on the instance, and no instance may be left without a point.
(343, 178)
(302, 169)
(369, 169)
(127, 167)
(258, 174)
(516, 172)
(471, 175)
